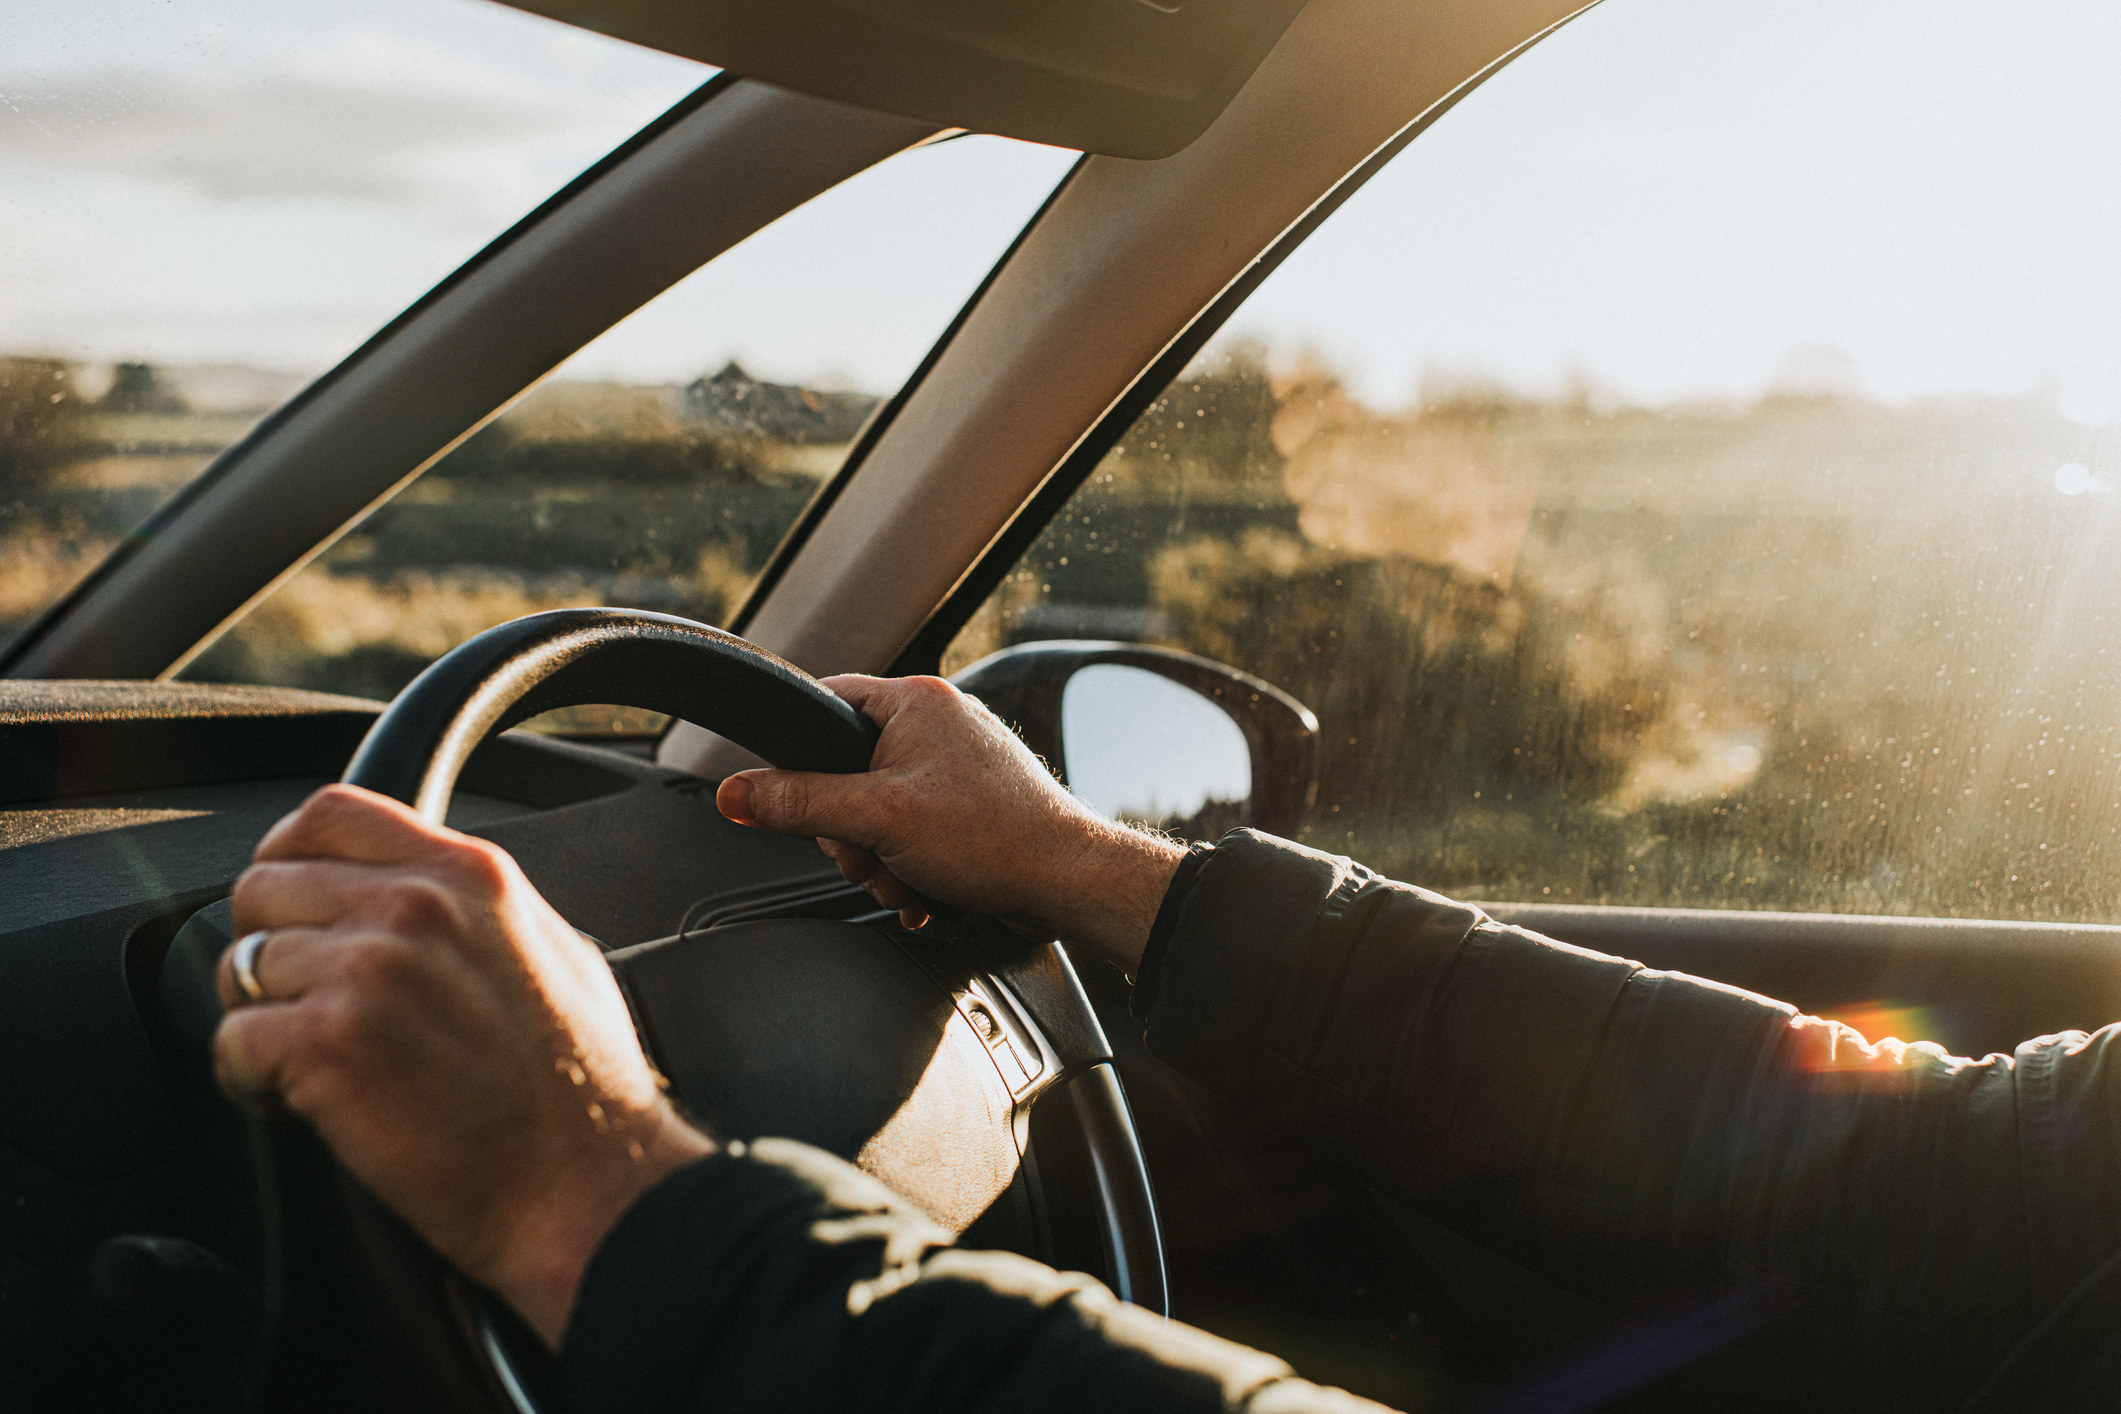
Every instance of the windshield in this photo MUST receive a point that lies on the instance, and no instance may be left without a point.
(1672, 485)
(204, 204)
(660, 466)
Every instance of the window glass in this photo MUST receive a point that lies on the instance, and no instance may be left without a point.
(1687, 475)
(206, 203)
(662, 464)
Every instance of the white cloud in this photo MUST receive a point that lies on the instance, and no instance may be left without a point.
(354, 116)
(241, 180)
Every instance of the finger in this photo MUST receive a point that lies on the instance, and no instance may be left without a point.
(881, 699)
(251, 1049)
(856, 864)
(859, 866)
(291, 961)
(865, 693)
(347, 822)
(885, 887)
(802, 803)
(282, 893)
(285, 893)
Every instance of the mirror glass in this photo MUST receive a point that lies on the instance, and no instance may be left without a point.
(1141, 748)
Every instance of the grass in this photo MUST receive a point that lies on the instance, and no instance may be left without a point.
(1813, 653)
(1817, 654)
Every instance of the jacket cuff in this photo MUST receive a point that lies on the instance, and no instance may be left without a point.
(631, 1343)
(675, 1294)
(1168, 914)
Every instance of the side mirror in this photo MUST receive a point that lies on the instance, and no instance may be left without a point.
(1157, 736)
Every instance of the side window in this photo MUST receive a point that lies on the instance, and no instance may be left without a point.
(1671, 486)
(661, 465)
(204, 204)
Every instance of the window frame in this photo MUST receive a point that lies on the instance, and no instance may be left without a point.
(659, 206)
(923, 651)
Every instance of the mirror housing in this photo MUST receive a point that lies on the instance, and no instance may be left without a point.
(1025, 685)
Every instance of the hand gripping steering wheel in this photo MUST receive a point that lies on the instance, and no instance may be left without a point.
(918, 1055)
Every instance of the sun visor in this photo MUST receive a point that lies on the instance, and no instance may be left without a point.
(1129, 78)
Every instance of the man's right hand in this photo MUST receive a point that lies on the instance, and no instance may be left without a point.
(955, 809)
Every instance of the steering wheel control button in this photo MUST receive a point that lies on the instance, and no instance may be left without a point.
(988, 1027)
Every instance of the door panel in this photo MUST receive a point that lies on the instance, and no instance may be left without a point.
(1971, 986)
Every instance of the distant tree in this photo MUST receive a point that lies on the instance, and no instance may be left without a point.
(40, 420)
(141, 387)
(732, 401)
(1218, 418)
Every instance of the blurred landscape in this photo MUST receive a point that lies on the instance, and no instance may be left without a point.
(1805, 650)
(662, 497)
(87, 453)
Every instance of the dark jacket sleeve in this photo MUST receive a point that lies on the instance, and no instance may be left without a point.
(776, 1277)
(1642, 1137)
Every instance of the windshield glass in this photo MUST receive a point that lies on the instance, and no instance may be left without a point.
(204, 204)
(661, 465)
(1674, 484)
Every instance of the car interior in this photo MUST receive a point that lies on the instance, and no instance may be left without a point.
(162, 1247)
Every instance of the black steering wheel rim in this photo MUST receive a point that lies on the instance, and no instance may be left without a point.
(573, 657)
(576, 657)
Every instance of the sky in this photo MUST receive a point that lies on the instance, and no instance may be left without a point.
(234, 181)
(1667, 199)
(1686, 197)
(267, 183)
(1141, 747)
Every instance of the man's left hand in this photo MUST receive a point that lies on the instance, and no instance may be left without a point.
(463, 1050)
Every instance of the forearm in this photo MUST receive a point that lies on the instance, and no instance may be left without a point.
(1640, 1137)
(784, 1279)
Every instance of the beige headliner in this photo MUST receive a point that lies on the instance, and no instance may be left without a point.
(1128, 255)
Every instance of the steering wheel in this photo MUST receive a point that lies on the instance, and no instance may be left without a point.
(960, 1064)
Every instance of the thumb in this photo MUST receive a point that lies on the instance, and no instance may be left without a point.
(812, 803)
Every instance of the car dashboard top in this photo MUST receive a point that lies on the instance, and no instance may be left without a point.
(127, 807)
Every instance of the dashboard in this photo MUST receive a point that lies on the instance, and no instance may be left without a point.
(140, 1226)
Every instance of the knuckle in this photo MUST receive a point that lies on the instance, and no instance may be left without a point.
(239, 1071)
(332, 803)
(341, 1026)
(892, 804)
(930, 689)
(409, 906)
(374, 965)
(244, 896)
(227, 1046)
(785, 797)
(486, 868)
(356, 798)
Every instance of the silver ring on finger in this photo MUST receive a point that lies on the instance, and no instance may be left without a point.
(243, 964)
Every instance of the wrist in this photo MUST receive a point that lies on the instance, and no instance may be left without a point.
(1111, 890)
(541, 1270)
